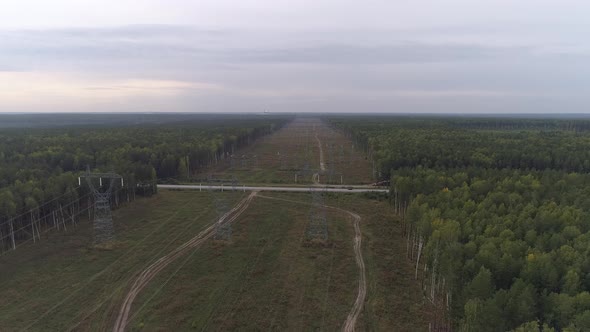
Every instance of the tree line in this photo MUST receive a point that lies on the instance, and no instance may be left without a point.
(495, 217)
(39, 167)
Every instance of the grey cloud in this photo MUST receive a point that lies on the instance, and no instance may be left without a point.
(227, 58)
(128, 32)
(163, 43)
(386, 54)
(351, 71)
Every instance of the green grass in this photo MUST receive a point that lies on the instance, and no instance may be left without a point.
(64, 272)
(268, 277)
(394, 297)
(297, 144)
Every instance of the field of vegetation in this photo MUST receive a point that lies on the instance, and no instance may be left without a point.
(486, 221)
(63, 280)
(39, 166)
(292, 156)
(495, 215)
(268, 276)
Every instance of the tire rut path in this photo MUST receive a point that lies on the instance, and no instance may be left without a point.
(151, 271)
(357, 308)
(316, 176)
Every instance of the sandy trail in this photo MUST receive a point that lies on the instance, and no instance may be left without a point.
(354, 313)
(322, 164)
(316, 176)
(351, 319)
(151, 271)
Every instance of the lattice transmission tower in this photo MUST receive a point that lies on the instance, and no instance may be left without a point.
(317, 228)
(103, 219)
(243, 161)
(223, 231)
(283, 161)
(331, 162)
(304, 173)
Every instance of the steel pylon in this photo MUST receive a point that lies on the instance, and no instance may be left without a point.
(103, 219)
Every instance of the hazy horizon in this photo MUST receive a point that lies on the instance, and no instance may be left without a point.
(154, 56)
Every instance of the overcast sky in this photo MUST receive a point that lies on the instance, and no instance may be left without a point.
(457, 56)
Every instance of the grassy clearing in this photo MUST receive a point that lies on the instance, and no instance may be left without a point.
(65, 273)
(268, 277)
(347, 160)
(283, 154)
(394, 298)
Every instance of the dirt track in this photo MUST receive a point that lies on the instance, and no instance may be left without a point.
(316, 176)
(151, 271)
(350, 323)
(322, 163)
(351, 319)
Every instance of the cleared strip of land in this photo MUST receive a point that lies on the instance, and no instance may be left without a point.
(293, 154)
(149, 273)
(165, 273)
(351, 319)
(268, 277)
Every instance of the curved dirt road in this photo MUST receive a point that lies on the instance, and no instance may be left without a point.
(316, 176)
(355, 311)
(322, 163)
(151, 271)
(362, 286)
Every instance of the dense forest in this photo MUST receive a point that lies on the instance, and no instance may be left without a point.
(496, 213)
(40, 165)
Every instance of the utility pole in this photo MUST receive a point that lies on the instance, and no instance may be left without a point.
(103, 219)
(317, 227)
(223, 231)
